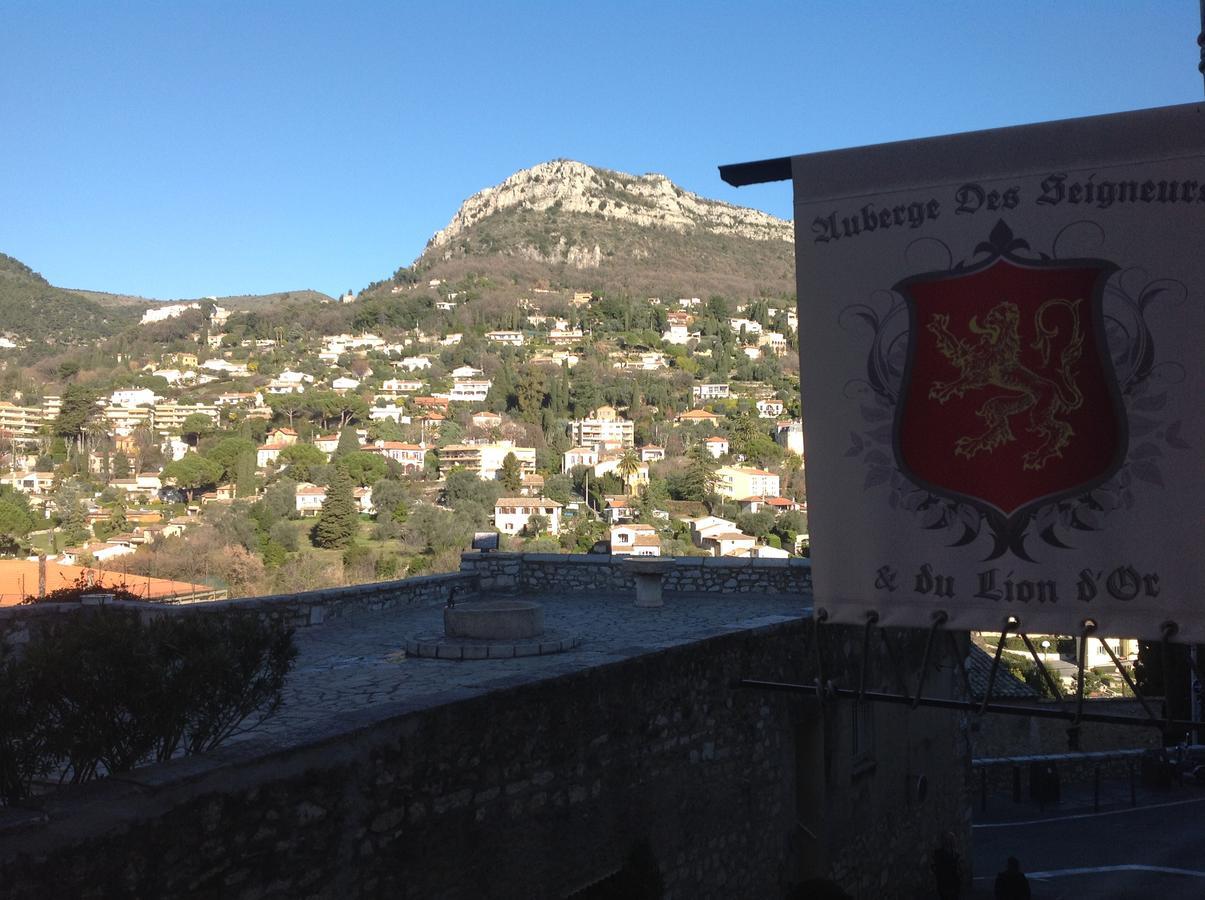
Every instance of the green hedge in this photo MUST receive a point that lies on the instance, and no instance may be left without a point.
(106, 692)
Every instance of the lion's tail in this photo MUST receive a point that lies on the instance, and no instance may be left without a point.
(1069, 393)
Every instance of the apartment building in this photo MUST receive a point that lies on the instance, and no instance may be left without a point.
(738, 482)
(486, 459)
(605, 428)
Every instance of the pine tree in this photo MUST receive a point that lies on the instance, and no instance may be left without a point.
(244, 475)
(337, 523)
(512, 474)
(349, 442)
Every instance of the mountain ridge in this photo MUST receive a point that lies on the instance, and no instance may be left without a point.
(568, 223)
(646, 200)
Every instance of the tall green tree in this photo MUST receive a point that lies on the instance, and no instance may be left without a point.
(16, 518)
(629, 465)
(193, 472)
(227, 452)
(512, 473)
(246, 482)
(121, 465)
(337, 522)
(79, 406)
(349, 442)
(700, 480)
(194, 426)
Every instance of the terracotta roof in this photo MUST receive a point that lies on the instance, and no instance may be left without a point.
(19, 578)
(511, 502)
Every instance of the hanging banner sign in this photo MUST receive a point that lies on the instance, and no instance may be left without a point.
(1002, 345)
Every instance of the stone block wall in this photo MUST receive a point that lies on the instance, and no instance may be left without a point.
(536, 789)
(547, 573)
(301, 610)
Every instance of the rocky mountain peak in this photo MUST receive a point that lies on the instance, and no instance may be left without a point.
(647, 201)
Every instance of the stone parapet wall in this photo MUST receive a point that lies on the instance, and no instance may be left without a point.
(297, 610)
(548, 573)
(538, 790)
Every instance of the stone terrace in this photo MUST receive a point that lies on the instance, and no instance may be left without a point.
(352, 664)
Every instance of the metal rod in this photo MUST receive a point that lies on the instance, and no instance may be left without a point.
(1041, 664)
(1037, 712)
(939, 619)
(960, 663)
(1168, 631)
(1088, 627)
(991, 675)
(900, 683)
(1126, 675)
(871, 618)
(821, 618)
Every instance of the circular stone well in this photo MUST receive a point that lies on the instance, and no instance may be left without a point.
(494, 620)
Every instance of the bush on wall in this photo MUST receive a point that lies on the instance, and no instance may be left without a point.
(106, 692)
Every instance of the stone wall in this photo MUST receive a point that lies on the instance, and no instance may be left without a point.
(541, 788)
(545, 573)
(302, 610)
(1003, 735)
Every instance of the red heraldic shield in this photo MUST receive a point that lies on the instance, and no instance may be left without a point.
(1009, 399)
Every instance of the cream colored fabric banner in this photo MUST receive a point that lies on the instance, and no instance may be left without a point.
(1002, 343)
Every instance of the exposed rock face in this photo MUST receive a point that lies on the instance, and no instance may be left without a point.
(646, 201)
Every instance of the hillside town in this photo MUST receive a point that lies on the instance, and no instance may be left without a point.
(247, 451)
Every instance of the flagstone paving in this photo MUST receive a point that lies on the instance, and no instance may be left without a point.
(351, 665)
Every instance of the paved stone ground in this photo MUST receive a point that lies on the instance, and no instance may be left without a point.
(358, 665)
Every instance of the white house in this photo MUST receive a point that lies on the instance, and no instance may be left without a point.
(415, 363)
(310, 498)
(716, 446)
(770, 409)
(410, 456)
(401, 386)
(511, 514)
(635, 540)
(704, 392)
(513, 338)
(344, 384)
(389, 411)
(225, 367)
(790, 435)
(468, 390)
(751, 327)
(134, 397)
(579, 456)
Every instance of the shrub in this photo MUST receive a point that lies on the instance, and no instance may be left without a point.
(84, 584)
(104, 692)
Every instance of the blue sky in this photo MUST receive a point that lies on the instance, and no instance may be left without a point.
(180, 149)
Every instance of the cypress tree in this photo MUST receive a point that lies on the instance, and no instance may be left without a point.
(339, 517)
(349, 442)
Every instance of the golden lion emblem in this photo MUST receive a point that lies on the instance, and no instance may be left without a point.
(995, 363)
